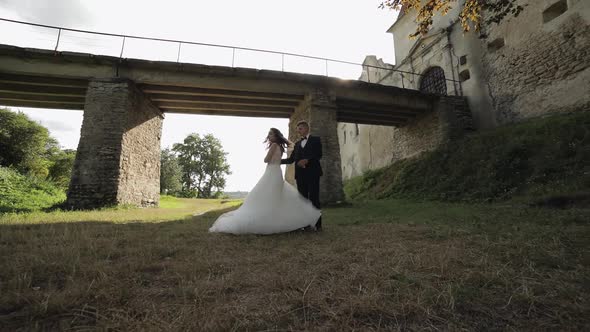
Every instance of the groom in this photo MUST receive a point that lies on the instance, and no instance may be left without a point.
(306, 155)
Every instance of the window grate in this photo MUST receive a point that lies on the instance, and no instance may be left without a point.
(434, 82)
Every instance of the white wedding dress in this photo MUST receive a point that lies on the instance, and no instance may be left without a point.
(273, 206)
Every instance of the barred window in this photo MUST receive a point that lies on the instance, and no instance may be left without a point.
(433, 81)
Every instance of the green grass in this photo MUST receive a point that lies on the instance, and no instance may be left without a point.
(19, 193)
(378, 265)
(171, 208)
(171, 202)
(528, 161)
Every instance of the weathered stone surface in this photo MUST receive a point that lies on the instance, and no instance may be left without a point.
(525, 67)
(547, 71)
(118, 156)
(373, 147)
(320, 112)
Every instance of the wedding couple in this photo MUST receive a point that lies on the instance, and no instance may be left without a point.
(273, 205)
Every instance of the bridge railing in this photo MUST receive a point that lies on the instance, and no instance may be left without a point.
(26, 34)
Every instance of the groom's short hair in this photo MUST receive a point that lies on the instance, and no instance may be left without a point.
(303, 123)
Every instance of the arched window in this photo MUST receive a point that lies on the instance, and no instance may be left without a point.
(433, 81)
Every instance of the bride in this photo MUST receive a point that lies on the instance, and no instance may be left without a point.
(273, 205)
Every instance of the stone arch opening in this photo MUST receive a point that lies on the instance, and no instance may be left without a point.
(433, 81)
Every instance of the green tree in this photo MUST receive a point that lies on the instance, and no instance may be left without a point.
(204, 166)
(170, 173)
(60, 169)
(471, 15)
(25, 144)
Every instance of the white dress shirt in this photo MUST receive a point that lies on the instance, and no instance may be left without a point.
(304, 141)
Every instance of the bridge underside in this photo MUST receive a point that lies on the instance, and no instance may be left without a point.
(124, 100)
(70, 93)
(46, 79)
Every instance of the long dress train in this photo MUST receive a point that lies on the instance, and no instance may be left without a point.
(272, 206)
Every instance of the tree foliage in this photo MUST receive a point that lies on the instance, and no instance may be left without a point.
(60, 169)
(170, 173)
(27, 147)
(471, 15)
(24, 144)
(204, 166)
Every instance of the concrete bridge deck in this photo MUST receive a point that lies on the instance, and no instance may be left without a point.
(48, 79)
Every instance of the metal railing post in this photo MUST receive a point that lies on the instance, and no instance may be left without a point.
(282, 61)
(233, 56)
(58, 37)
(178, 57)
(402, 76)
(326, 67)
(122, 48)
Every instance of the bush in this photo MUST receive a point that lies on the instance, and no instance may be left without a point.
(23, 194)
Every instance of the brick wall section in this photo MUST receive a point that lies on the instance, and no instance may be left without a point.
(118, 156)
(424, 133)
(534, 69)
(450, 119)
(320, 112)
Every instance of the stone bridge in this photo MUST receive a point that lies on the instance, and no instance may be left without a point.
(124, 102)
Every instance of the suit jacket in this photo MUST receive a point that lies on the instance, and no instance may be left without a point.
(312, 152)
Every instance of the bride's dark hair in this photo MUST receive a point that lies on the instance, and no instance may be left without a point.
(280, 139)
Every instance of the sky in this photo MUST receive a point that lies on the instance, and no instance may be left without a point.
(345, 30)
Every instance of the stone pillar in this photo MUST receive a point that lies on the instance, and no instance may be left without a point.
(319, 110)
(118, 157)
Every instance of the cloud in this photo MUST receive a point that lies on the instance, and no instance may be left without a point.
(54, 120)
(52, 12)
(56, 126)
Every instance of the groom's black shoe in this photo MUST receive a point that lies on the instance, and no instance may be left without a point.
(318, 225)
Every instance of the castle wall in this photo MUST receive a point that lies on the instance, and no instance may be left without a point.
(527, 66)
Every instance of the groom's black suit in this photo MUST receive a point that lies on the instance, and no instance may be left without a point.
(308, 178)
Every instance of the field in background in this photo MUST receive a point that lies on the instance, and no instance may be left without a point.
(171, 208)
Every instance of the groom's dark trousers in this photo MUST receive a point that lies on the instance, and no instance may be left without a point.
(308, 178)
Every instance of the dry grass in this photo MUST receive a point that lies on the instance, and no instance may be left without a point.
(380, 265)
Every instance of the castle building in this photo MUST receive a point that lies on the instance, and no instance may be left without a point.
(531, 65)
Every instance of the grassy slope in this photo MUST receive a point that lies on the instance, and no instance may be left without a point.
(387, 264)
(542, 157)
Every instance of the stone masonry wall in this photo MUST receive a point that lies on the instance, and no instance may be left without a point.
(322, 119)
(301, 114)
(116, 161)
(318, 110)
(139, 179)
(543, 70)
(378, 146)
